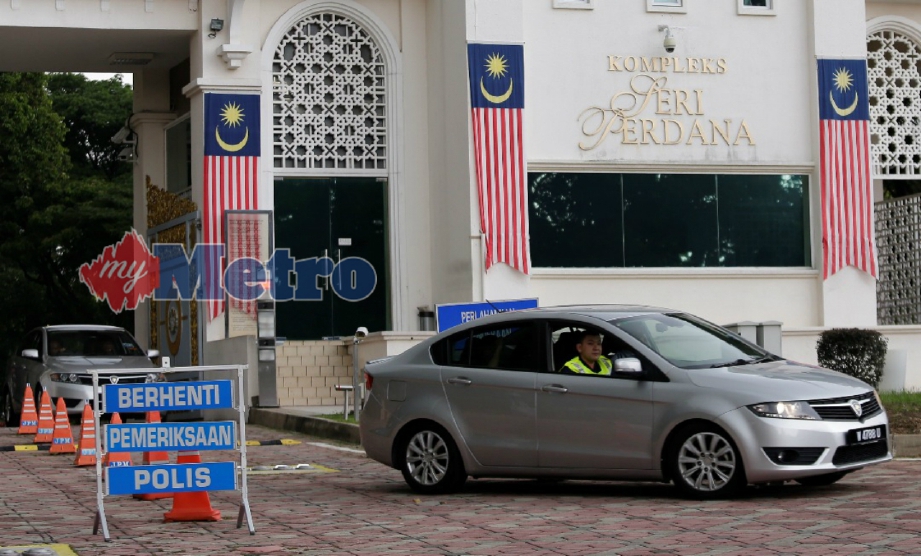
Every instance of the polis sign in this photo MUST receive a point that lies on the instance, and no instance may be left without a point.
(657, 111)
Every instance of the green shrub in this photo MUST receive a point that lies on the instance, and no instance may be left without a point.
(853, 351)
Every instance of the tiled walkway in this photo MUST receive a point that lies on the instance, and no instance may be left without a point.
(365, 508)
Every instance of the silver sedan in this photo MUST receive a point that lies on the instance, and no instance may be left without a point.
(614, 392)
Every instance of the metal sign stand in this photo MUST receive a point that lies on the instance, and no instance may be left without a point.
(100, 519)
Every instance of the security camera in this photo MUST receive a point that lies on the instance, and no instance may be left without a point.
(361, 332)
(669, 43)
(120, 137)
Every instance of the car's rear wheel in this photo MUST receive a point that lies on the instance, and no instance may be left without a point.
(9, 417)
(431, 463)
(705, 463)
(822, 480)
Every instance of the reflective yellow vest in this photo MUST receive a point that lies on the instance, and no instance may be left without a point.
(575, 365)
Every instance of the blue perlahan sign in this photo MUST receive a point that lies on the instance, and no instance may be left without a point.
(170, 437)
(451, 315)
(167, 396)
(185, 477)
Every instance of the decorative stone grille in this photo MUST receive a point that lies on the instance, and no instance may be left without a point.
(329, 97)
(898, 240)
(894, 72)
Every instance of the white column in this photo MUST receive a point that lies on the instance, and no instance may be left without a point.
(848, 297)
(499, 21)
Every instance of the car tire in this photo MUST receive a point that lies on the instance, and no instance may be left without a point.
(430, 461)
(704, 463)
(821, 480)
(9, 417)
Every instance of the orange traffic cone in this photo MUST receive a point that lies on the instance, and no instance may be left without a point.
(28, 422)
(86, 455)
(154, 458)
(45, 420)
(62, 441)
(116, 459)
(191, 506)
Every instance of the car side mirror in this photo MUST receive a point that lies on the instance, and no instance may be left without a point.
(30, 353)
(628, 365)
(153, 353)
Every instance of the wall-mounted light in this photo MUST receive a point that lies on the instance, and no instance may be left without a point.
(216, 26)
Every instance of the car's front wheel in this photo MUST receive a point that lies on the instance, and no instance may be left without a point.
(705, 463)
(822, 480)
(430, 461)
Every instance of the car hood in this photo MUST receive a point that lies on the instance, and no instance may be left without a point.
(779, 381)
(83, 364)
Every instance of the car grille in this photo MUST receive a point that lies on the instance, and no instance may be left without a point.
(860, 452)
(105, 379)
(794, 456)
(840, 408)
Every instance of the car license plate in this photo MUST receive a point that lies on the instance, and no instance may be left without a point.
(868, 434)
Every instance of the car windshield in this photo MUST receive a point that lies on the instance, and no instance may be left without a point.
(691, 343)
(92, 343)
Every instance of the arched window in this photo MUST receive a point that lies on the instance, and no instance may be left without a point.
(329, 99)
(894, 71)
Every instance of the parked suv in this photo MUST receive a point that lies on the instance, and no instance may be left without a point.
(59, 358)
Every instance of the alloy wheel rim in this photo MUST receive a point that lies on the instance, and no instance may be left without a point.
(427, 458)
(706, 462)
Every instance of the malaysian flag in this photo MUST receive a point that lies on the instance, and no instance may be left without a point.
(847, 187)
(497, 100)
(231, 172)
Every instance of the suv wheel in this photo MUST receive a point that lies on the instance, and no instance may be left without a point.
(9, 417)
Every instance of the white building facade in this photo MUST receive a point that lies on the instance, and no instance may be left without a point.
(687, 178)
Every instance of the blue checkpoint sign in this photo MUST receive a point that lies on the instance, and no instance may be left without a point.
(177, 477)
(452, 314)
(171, 437)
(167, 396)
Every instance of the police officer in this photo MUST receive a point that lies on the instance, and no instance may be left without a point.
(589, 361)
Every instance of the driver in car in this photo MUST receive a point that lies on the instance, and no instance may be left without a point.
(589, 361)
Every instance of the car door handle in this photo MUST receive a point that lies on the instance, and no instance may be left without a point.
(459, 380)
(555, 388)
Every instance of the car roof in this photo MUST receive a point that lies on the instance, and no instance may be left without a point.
(72, 327)
(605, 311)
(600, 312)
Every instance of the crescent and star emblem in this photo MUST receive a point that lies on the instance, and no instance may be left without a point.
(843, 82)
(496, 66)
(231, 115)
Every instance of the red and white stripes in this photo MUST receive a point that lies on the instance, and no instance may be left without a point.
(230, 184)
(847, 196)
(502, 186)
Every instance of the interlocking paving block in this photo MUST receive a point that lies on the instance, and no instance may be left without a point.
(297, 468)
(37, 550)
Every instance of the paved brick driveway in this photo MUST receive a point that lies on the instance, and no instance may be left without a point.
(365, 508)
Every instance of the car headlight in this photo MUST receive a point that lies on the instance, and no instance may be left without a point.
(155, 377)
(71, 378)
(785, 410)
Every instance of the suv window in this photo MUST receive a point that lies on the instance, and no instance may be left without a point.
(92, 343)
(513, 346)
(32, 341)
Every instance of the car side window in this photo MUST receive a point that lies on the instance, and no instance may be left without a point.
(566, 335)
(513, 347)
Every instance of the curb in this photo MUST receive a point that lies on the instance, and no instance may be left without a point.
(906, 445)
(314, 426)
(903, 445)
